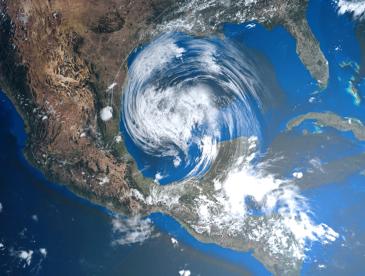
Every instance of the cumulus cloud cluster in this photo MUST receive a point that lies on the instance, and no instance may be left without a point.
(27, 258)
(184, 272)
(247, 190)
(354, 7)
(131, 230)
(106, 113)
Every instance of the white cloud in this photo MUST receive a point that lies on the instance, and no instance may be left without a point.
(35, 217)
(110, 87)
(316, 163)
(118, 139)
(158, 177)
(131, 230)
(354, 7)
(251, 25)
(106, 113)
(158, 196)
(137, 194)
(174, 242)
(104, 180)
(26, 256)
(155, 56)
(184, 272)
(298, 175)
(177, 112)
(43, 251)
(1, 207)
(177, 161)
(250, 2)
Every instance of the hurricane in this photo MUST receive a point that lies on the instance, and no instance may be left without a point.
(198, 106)
(185, 95)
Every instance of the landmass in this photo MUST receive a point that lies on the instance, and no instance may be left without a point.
(330, 119)
(322, 172)
(360, 35)
(355, 80)
(64, 63)
(358, 77)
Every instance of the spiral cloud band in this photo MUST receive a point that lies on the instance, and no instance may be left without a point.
(185, 95)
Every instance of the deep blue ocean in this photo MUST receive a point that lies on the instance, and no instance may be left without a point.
(77, 235)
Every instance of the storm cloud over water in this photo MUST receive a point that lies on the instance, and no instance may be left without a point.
(354, 7)
(184, 95)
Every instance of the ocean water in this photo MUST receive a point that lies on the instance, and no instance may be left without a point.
(69, 235)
